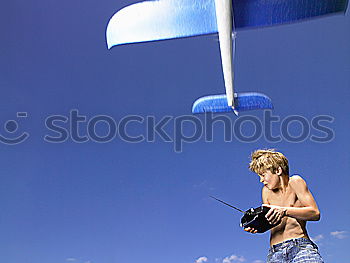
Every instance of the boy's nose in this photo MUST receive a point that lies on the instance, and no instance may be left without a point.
(261, 180)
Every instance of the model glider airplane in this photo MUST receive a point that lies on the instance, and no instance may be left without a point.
(168, 19)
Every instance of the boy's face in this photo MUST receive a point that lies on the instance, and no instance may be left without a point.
(269, 179)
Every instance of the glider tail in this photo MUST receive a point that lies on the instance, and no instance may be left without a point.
(243, 102)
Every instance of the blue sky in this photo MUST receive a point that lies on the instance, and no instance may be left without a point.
(128, 202)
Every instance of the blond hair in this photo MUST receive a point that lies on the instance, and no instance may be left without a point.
(269, 159)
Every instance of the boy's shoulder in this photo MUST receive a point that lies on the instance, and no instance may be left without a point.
(296, 179)
(297, 183)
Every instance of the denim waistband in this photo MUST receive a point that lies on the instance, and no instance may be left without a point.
(292, 242)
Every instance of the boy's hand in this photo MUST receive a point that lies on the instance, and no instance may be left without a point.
(275, 214)
(251, 230)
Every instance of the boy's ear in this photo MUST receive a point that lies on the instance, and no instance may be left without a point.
(279, 170)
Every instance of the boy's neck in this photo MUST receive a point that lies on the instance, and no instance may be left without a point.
(284, 182)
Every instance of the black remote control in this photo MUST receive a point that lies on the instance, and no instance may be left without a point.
(254, 217)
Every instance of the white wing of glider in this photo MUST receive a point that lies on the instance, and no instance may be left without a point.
(158, 20)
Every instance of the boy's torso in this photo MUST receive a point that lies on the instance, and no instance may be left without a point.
(289, 227)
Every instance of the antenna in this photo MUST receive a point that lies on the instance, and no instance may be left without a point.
(227, 204)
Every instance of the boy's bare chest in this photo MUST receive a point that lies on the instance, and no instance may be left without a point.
(289, 198)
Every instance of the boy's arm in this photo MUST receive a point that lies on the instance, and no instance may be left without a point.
(309, 211)
(264, 194)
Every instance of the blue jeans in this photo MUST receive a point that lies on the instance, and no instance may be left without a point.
(297, 250)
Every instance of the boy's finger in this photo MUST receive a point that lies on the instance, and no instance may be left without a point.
(253, 231)
(272, 218)
(275, 220)
(250, 230)
(278, 219)
(268, 214)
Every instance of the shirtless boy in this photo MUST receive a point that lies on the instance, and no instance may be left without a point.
(291, 205)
